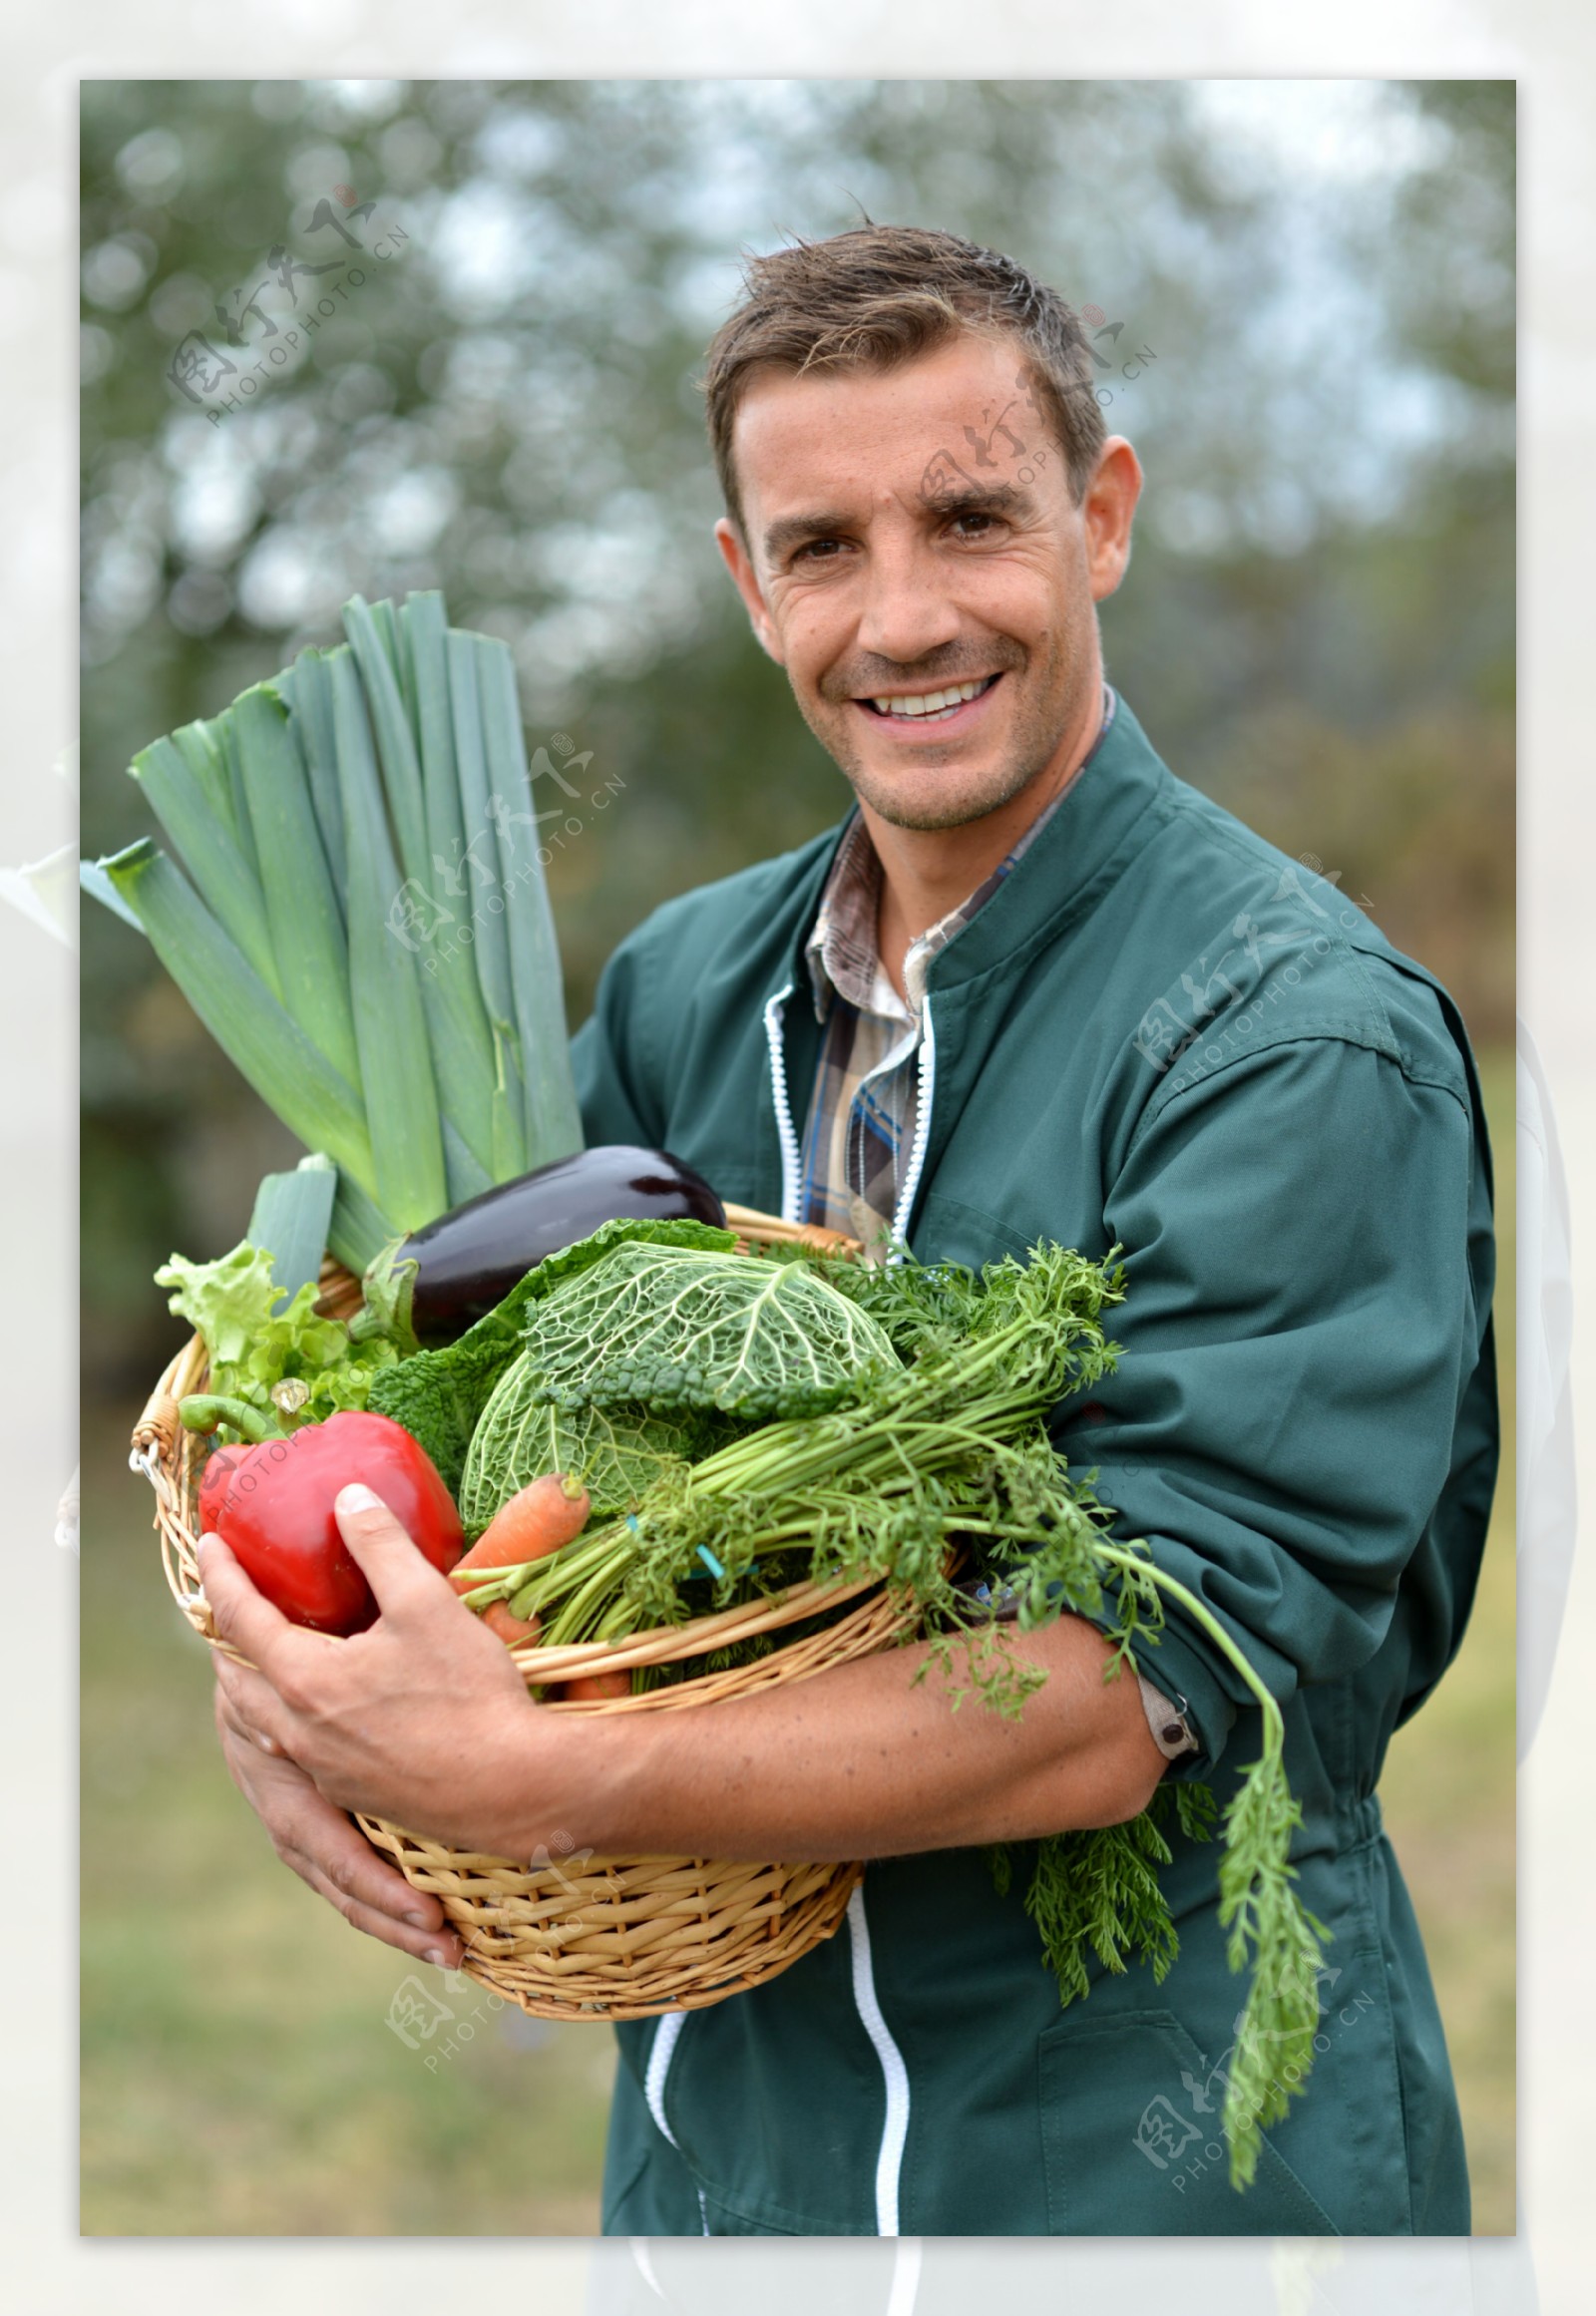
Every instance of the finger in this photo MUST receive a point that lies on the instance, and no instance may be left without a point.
(237, 1733)
(340, 1852)
(442, 1947)
(398, 1572)
(256, 1708)
(245, 1618)
(317, 1839)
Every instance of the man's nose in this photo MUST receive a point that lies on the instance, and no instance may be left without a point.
(905, 613)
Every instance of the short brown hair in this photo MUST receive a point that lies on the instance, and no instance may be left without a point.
(878, 295)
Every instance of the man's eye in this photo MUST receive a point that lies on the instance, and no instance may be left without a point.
(821, 550)
(986, 524)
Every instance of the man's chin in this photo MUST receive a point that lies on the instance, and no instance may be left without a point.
(928, 801)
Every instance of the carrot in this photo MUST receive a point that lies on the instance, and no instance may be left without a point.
(593, 1685)
(537, 1520)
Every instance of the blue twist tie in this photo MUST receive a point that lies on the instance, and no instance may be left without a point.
(709, 1561)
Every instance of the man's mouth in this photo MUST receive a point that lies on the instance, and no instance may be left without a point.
(928, 707)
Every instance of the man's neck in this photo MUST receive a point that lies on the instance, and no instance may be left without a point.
(926, 873)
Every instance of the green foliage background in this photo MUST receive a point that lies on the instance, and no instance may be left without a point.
(1315, 360)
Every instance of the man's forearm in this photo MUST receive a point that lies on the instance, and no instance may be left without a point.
(857, 1762)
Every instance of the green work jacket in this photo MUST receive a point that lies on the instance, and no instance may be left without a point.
(1160, 1032)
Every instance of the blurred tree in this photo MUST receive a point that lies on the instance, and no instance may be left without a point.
(1314, 290)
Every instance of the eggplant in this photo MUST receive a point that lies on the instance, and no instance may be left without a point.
(469, 1259)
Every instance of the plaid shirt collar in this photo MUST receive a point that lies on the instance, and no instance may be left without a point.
(841, 951)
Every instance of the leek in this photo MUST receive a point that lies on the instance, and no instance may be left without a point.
(396, 746)
(462, 1043)
(356, 911)
(200, 825)
(308, 693)
(307, 934)
(273, 1051)
(554, 1125)
(390, 1024)
(289, 1223)
(491, 941)
(359, 1228)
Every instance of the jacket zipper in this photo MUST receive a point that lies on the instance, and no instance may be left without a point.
(924, 1099)
(786, 1132)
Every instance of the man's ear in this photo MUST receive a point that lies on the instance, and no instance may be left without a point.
(736, 555)
(1108, 510)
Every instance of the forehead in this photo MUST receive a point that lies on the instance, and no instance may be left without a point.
(852, 431)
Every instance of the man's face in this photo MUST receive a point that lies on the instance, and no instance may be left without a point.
(912, 534)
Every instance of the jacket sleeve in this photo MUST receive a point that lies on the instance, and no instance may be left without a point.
(1300, 1322)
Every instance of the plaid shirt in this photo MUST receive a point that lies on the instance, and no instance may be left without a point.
(863, 1109)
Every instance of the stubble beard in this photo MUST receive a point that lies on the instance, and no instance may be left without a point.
(1034, 747)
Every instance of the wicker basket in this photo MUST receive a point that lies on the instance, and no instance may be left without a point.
(570, 1935)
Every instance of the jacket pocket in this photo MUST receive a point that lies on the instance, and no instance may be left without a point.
(1131, 2140)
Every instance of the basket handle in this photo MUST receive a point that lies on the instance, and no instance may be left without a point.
(769, 1230)
(160, 1425)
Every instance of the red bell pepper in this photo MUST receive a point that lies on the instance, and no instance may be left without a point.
(271, 1505)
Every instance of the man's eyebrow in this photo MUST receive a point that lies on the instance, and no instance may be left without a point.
(979, 498)
(792, 529)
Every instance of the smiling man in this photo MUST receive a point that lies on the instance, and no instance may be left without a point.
(1033, 987)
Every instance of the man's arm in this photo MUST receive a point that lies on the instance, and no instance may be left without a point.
(861, 1761)
(424, 1720)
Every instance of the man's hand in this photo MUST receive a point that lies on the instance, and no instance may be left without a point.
(423, 1719)
(329, 1853)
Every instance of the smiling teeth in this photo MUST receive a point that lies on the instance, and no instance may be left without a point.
(931, 703)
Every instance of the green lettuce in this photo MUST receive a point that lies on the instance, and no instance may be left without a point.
(251, 1351)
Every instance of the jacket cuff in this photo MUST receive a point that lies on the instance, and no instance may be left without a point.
(1176, 1669)
(1172, 1733)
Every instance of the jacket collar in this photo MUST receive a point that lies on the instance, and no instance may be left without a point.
(1106, 814)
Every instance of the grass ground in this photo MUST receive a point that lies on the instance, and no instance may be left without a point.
(239, 2077)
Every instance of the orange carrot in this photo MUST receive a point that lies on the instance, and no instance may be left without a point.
(617, 1684)
(536, 1521)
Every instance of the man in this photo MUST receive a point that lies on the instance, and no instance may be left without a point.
(1035, 987)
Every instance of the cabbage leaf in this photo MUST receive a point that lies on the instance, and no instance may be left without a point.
(679, 1329)
(616, 1453)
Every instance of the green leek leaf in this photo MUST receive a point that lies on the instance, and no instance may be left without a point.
(411, 1184)
(287, 1071)
(307, 934)
(554, 1123)
(202, 829)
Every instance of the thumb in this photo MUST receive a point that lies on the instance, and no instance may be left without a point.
(388, 1557)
